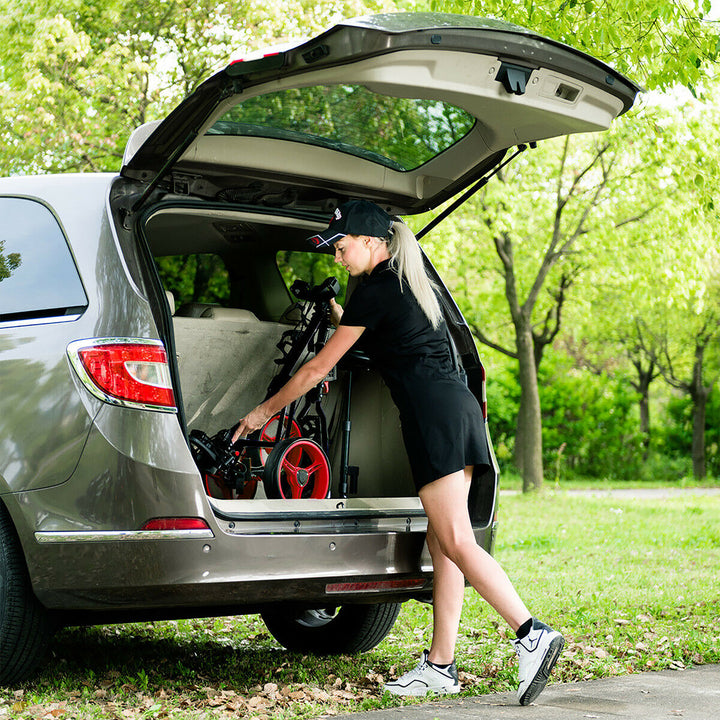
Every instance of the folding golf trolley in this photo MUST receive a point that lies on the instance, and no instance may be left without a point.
(289, 455)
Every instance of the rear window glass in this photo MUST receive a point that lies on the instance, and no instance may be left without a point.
(311, 267)
(400, 133)
(38, 277)
(200, 278)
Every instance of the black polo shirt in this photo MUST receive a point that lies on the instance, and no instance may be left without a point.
(442, 423)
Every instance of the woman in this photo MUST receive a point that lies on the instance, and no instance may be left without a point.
(397, 312)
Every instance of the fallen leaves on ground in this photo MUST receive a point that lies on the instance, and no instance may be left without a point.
(260, 702)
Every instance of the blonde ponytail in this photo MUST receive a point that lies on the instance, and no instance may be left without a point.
(407, 260)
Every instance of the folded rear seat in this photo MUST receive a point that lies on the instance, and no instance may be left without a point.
(226, 359)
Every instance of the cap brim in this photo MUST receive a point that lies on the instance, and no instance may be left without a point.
(324, 241)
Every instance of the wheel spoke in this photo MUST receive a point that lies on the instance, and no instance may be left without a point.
(290, 467)
(296, 490)
(318, 465)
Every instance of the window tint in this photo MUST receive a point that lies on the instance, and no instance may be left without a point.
(38, 277)
(400, 133)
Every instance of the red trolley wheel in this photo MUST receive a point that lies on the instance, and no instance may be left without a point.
(216, 487)
(270, 433)
(297, 468)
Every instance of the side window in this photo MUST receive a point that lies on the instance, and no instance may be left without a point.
(38, 277)
(197, 278)
(310, 267)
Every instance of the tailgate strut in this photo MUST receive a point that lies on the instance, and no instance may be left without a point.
(481, 183)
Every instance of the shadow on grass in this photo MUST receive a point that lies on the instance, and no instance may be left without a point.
(148, 659)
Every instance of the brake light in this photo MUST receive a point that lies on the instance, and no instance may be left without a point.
(130, 372)
(179, 523)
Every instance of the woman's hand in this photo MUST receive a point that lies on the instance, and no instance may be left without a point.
(254, 420)
(336, 312)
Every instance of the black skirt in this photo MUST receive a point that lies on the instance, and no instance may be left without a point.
(442, 423)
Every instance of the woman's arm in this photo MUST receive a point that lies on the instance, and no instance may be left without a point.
(307, 377)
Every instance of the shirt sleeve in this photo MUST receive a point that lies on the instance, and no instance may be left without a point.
(365, 308)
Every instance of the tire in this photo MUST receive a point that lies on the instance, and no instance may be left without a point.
(332, 631)
(297, 468)
(25, 628)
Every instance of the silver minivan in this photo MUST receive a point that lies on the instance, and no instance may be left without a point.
(118, 380)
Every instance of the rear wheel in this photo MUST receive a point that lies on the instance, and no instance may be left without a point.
(25, 629)
(332, 630)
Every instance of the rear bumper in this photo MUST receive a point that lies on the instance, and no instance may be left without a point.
(137, 577)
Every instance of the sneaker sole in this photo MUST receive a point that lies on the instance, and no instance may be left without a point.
(541, 677)
(419, 692)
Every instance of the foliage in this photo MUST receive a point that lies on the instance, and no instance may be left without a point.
(590, 425)
(77, 78)
(620, 608)
(659, 43)
(675, 436)
(9, 262)
(195, 278)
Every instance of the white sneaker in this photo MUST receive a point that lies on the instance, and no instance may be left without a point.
(537, 654)
(426, 678)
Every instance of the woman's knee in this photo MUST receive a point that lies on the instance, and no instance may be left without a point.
(454, 545)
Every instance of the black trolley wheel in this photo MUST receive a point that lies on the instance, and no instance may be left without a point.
(297, 468)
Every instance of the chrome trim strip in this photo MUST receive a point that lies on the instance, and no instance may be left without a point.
(93, 389)
(50, 320)
(96, 536)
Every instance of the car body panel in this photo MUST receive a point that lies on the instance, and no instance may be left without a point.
(35, 371)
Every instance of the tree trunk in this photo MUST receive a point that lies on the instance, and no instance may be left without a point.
(698, 436)
(528, 440)
(645, 377)
(699, 394)
(645, 423)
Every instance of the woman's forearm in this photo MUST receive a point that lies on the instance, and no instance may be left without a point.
(306, 378)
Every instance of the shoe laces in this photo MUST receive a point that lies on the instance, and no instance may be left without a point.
(418, 670)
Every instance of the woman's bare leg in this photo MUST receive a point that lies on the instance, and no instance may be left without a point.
(448, 594)
(451, 542)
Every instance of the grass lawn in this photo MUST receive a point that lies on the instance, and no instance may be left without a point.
(633, 585)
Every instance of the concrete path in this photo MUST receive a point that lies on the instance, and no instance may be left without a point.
(692, 694)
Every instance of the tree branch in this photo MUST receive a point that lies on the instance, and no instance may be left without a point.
(480, 335)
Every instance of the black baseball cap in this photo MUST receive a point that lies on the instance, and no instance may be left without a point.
(355, 217)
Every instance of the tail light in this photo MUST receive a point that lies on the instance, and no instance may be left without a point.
(132, 372)
(176, 523)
